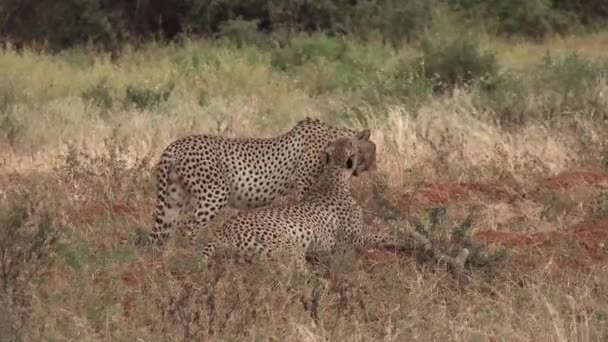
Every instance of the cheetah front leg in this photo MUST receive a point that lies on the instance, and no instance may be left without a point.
(379, 240)
(361, 239)
(382, 240)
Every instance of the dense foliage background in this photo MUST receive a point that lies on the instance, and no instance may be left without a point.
(64, 23)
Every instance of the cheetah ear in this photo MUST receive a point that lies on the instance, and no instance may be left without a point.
(364, 134)
(326, 157)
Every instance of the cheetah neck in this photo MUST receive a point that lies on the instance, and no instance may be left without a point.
(332, 182)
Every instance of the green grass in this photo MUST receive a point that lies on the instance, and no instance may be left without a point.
(48, 99)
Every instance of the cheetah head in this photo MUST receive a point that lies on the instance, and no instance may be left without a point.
(366, 151)
(354, 155)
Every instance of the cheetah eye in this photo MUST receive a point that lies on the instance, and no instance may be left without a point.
(349, 163)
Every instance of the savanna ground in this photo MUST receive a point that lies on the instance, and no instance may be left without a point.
(510, 161)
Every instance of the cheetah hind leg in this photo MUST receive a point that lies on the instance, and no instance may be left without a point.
(171, 199)
(208, 202)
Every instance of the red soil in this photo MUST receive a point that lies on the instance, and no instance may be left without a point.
(594, 176)
(591, 236)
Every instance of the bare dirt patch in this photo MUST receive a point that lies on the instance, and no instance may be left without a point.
(591, 236)
(591, 175)
(443, 193)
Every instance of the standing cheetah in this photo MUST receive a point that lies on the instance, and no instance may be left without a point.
(326, 213)
(241, 172)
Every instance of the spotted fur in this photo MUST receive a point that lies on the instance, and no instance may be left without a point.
(324, 216)
(214, 172)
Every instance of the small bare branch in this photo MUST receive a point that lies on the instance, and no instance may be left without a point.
(456, 263)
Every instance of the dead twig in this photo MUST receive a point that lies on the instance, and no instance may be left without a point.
(456, 263)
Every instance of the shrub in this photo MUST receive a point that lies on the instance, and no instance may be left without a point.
(438, 228)
(454, 62)
(99, 95)
(308, 49)
(531, 18)
(568, 74)
(588, 12)
(395, 20)
(241, 32)
(536, 18)
(8, 96)
(504, 95)
(9, 128)
(144, 97)
(569, 83)
(408, 84)
(63, 23)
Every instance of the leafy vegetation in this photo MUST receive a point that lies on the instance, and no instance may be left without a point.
(108, 23)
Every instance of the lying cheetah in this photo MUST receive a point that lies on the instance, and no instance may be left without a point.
(326, 213)
(242, 172)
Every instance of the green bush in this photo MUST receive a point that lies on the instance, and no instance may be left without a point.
(143, 97)
(304, 49)
(241, 32)
(454, 62)
(395, 20)
(10, 129)
(504, 96)
(588, 12)
(531, 18)
(8, 96)
(446, 235)
(407, 84)
(63, 23)
(99, 95)
(568, 74)
(569, 82)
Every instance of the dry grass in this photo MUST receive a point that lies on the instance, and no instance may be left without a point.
(523, 54)
(538, 190)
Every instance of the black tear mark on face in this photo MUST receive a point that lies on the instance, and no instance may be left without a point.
(326, 157)
(349, 163)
